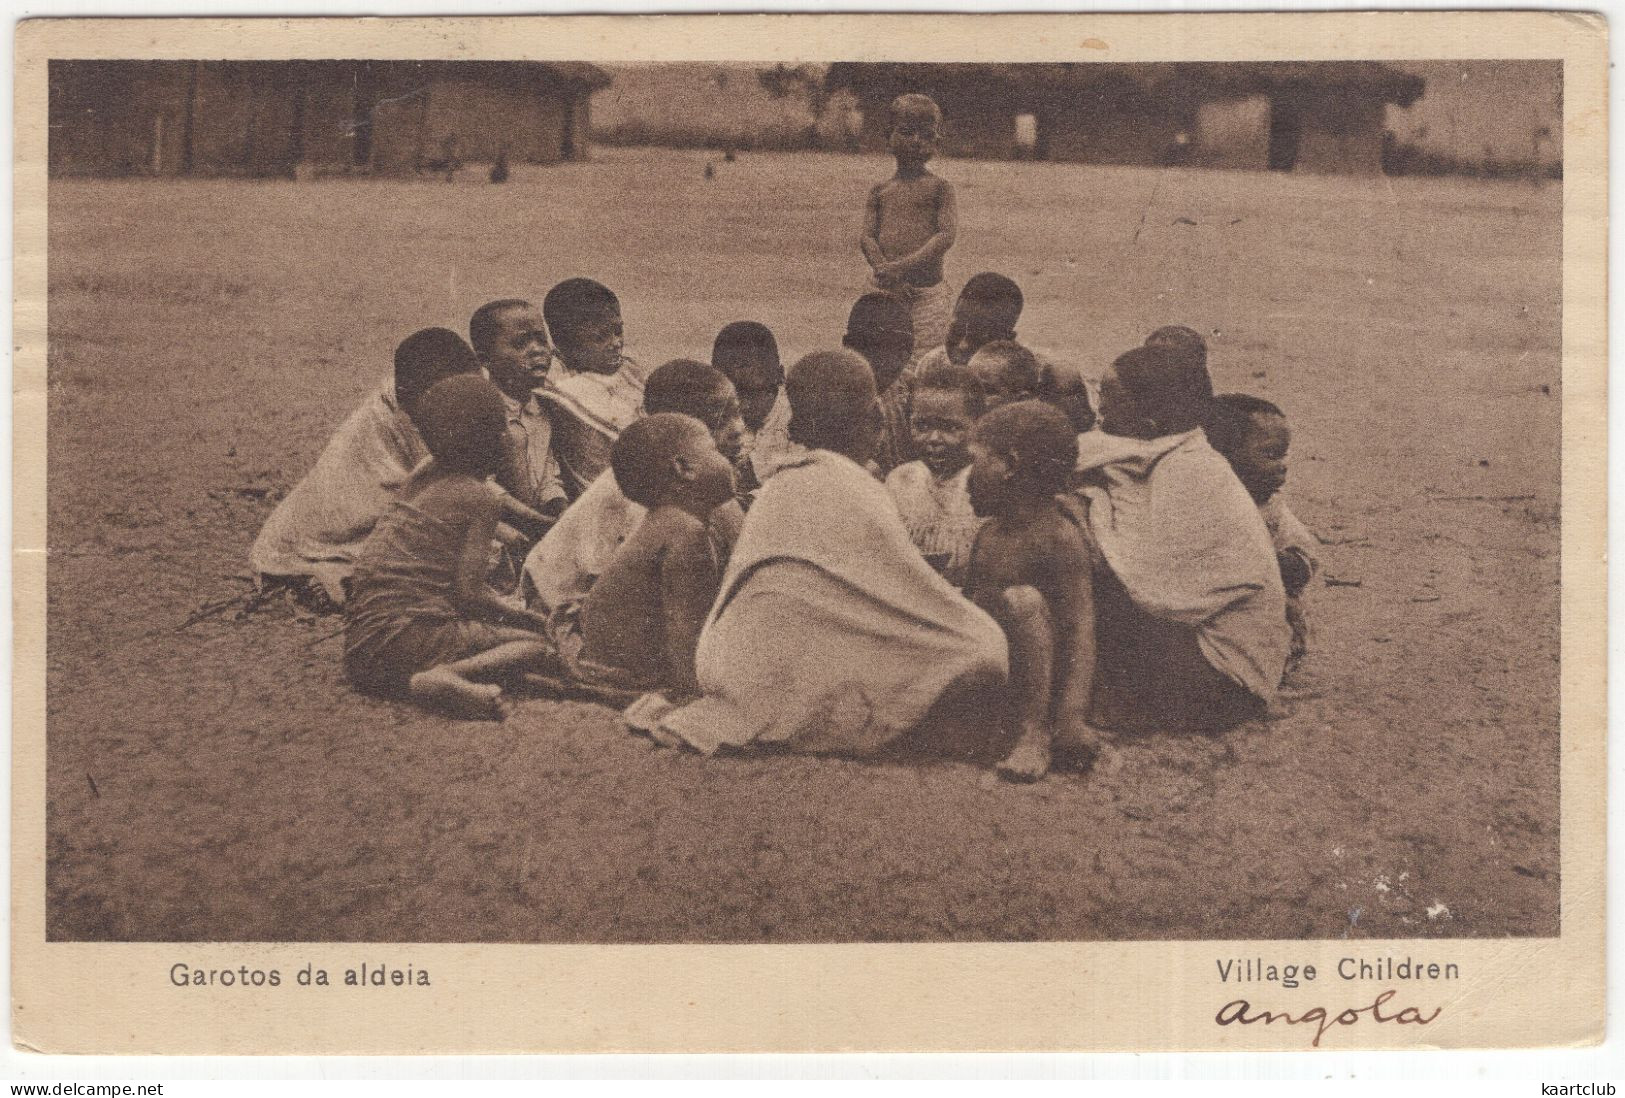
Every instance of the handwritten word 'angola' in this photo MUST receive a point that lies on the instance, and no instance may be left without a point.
(1240, 1011)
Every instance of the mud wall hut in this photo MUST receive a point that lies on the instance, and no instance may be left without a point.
(267, 118)
(1303, 116)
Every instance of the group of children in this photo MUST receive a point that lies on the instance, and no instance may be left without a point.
(535, 502)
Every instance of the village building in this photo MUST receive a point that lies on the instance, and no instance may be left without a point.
(1317, 116)
(270, 118)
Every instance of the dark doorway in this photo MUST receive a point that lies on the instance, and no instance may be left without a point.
(1286, 129)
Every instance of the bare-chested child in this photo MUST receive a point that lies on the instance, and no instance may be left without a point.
(643, 616)
(879, 329)
(1031, 569)
(910, 222)
(421, 619)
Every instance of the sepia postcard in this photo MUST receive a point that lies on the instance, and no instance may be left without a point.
(788, 533)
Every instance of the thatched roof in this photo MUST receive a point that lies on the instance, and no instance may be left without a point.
(1159, 80)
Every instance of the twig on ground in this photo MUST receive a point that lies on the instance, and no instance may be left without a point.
(1333, 581)
(1426, 598)
(1481, 499)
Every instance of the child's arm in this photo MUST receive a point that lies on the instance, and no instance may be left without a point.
(689, 578)
(479, 512)
(929, 255)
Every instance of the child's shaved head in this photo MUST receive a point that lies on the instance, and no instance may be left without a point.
(577, 302)
(426, 357)
(986, 311)
(877, 318)
(747, 352)
(1036, 441)
(833, 403)
(996, 292)
(1180, 338)
(687, 387)
(644, 456)
(880, 327)
(462, 420)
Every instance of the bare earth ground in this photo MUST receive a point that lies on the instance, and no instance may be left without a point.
(222, 782)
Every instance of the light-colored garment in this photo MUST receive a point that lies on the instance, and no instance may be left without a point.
(1188, 544)
(830, 634)
(930, 309)
(562, 567)
(937, 515)
(589, 412)
(772, 443)
(530, 421)
(1290, 535)
(318, 529)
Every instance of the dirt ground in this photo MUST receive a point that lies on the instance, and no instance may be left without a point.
(220, 780)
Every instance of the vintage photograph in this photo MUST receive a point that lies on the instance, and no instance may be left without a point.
(839, 501)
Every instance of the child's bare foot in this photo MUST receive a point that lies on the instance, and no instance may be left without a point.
(1029, 761)
(448, 690)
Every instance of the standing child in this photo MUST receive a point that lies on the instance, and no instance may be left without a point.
(421, 619)
(748, 355)
(594, 391)
(879, 329)
(910, 222)
(933, 493)
(1253, 436)
(511, 341)
(642, 619)
(1031, 570)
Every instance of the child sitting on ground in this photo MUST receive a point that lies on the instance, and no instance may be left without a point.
(1252, 435)
(594, 391)
(1190, 608)
(932, 494)
(748, 355)
(511, 341)
(1008, 373)
(1031, 570)
(565, 564)
(987, 311)
(311, 541)
(421, 619)
(878, 328)
(910, 222)
(642, 618)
